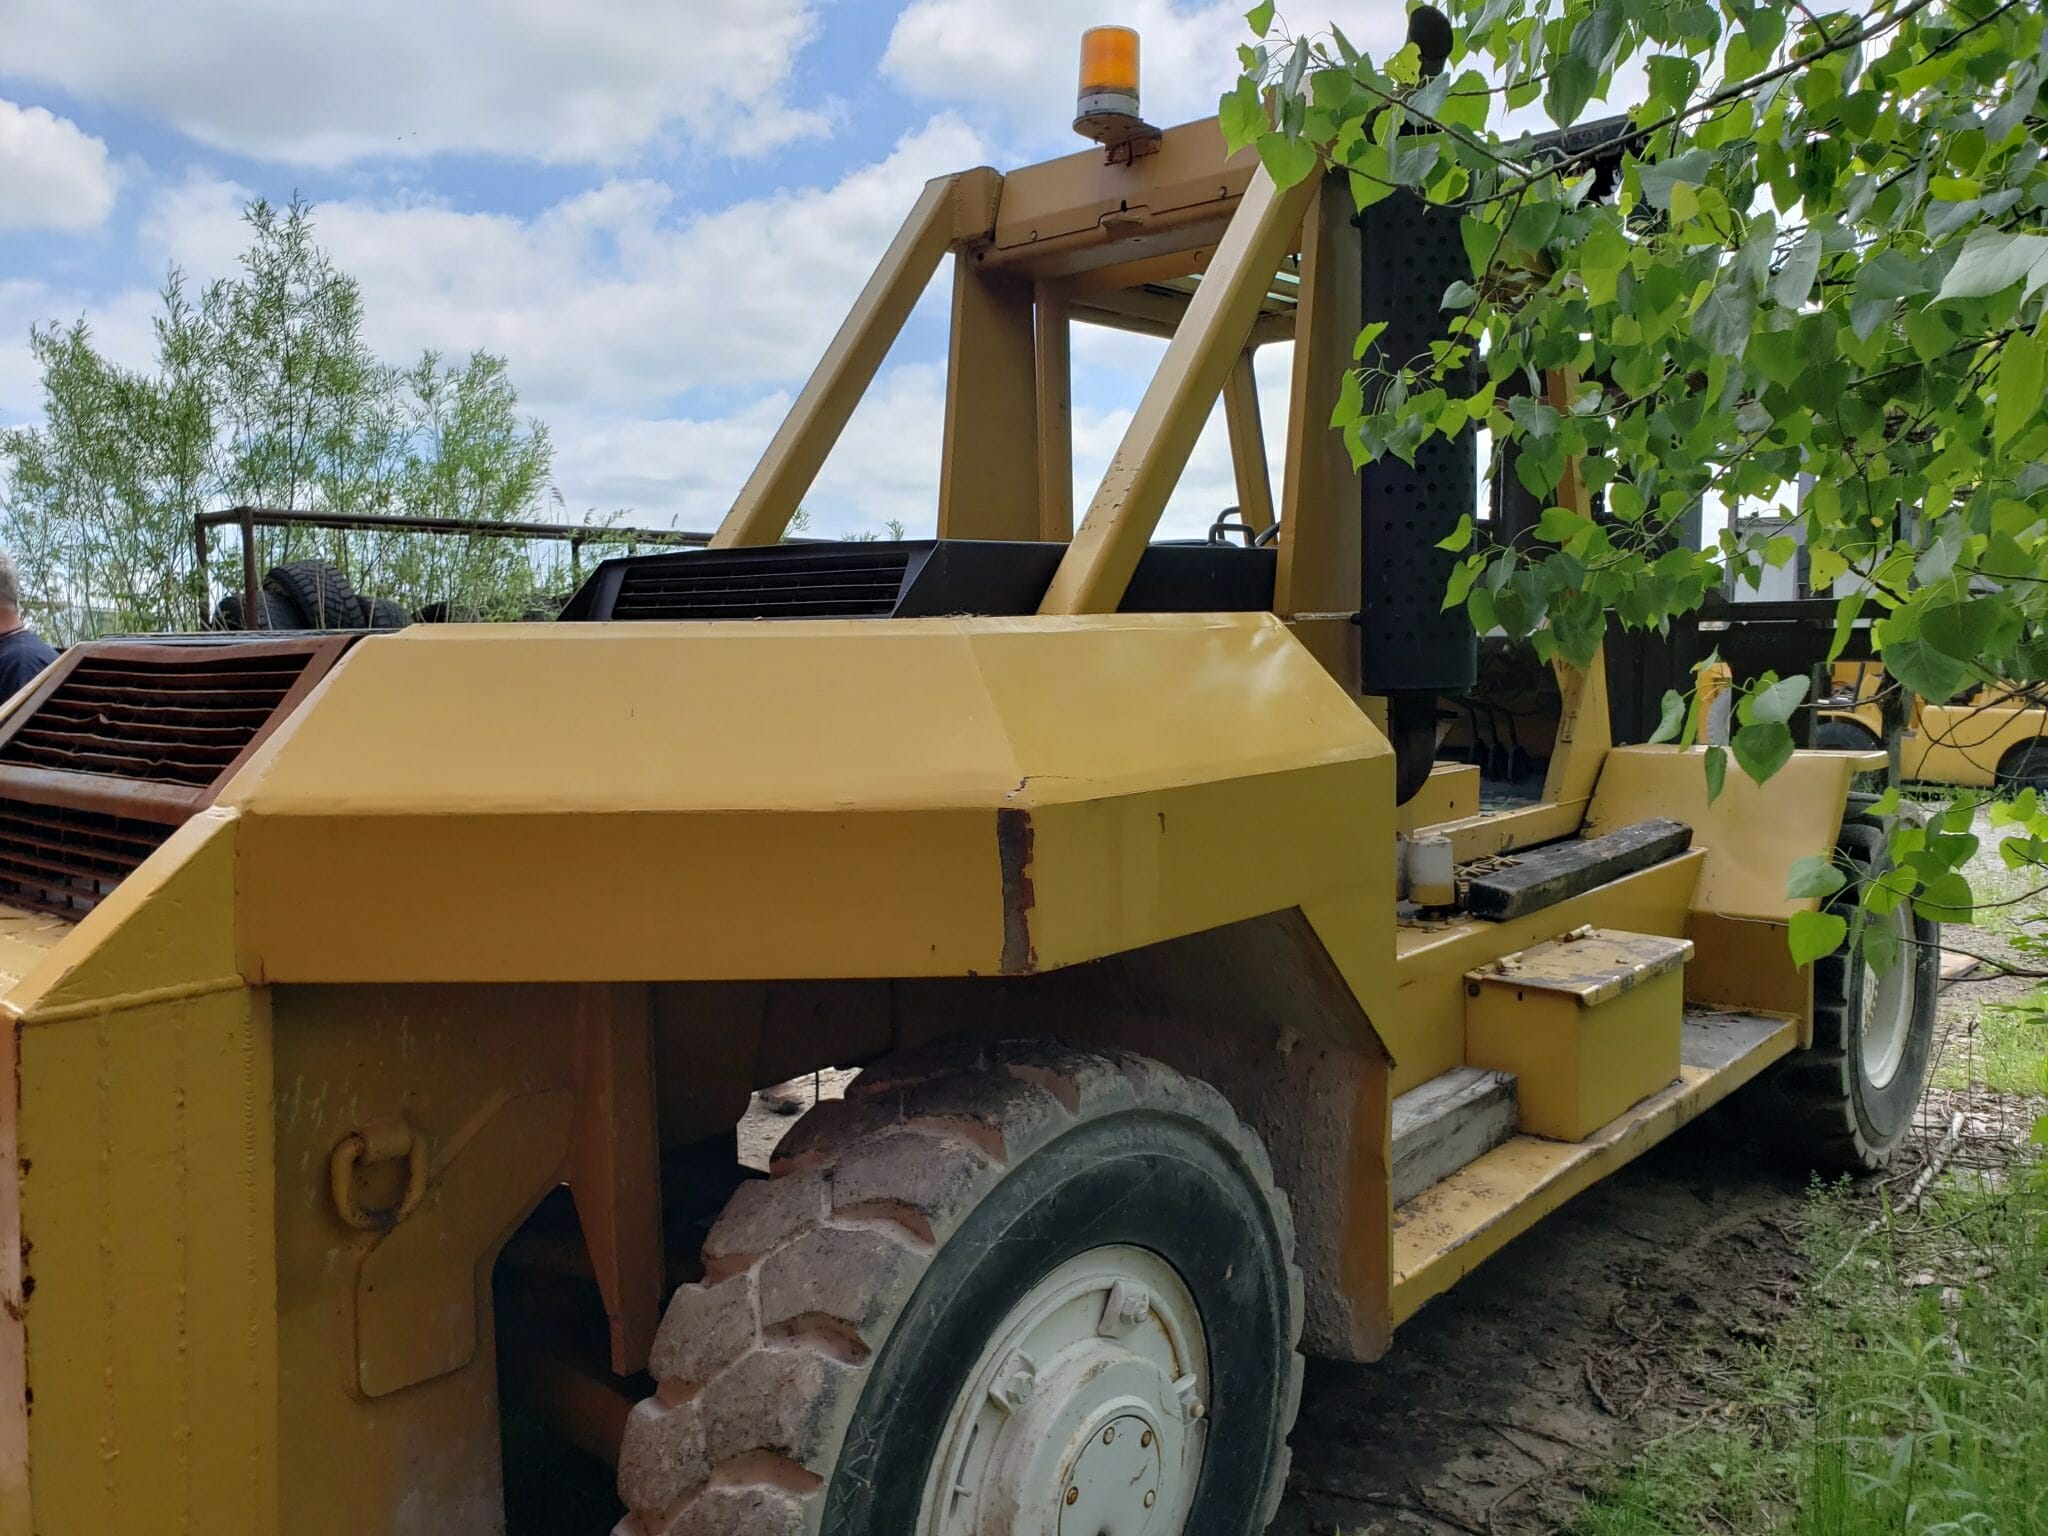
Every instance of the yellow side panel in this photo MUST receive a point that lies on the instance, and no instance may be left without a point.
(14, 1488)
(814, 800)
(1112, 875)
(1449, 793)
(638, 897)
(1752, 834)
(146, 1211)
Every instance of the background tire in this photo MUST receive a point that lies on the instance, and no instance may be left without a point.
(2024, 767)
(851, 1301)
(383, 613)
(319, 592)
(1835, 735)
(1847, 1102)
(270, 613)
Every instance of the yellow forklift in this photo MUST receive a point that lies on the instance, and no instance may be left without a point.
(1993, 737)
(383, 1004)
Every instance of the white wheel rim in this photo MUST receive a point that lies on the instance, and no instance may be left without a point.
(1085, 1414)
(1888, 1004)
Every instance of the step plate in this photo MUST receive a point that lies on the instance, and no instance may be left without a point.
(1446, 1123)
(1447, 1230)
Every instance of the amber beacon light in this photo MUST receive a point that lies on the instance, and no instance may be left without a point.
(1107, 108)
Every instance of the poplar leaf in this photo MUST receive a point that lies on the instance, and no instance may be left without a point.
(1814, 935)
(2018, 386)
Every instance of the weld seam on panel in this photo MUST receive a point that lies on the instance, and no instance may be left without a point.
(118, 1002)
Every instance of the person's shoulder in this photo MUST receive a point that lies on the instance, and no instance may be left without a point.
(23, 657)
(31, 648)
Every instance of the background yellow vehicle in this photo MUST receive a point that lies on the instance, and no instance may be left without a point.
(384, 1005)
(1992, 737)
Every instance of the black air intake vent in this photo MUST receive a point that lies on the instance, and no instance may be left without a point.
(850, 582)
(911, 579)
(176, 719)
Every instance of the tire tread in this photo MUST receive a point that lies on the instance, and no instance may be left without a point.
(775, 1402)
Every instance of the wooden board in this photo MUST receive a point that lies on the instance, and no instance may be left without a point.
(1446, 1123)
(1543, 877)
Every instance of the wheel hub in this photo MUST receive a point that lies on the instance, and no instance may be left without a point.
(1085, 1417)
(1091, 1450)
(1114, 1486)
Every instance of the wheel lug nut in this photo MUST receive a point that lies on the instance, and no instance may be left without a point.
(1150, 1498)
(1145, 1438)
(1073, 1495)
(1109, 1434)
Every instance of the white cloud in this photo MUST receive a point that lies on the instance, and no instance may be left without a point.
(53, 174)
(328, 82)
(1115, 366)
(610, 298)
(120, 326)
(1023, 60)
(663, 347)
(685, 471)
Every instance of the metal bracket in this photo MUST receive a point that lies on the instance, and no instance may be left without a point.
(383, 1141)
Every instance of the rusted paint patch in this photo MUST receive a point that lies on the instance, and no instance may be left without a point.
(1013, 849)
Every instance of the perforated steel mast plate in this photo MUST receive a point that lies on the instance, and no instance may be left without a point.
(1411, 254)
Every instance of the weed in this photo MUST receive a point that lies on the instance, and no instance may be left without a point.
(1910, 1395)
(2006, 1050)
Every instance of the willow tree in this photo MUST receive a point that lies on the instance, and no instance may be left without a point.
(264, 392)
(1823, 262)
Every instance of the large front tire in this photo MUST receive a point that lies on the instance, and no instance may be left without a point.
(1848, 1101)
(984, 1272)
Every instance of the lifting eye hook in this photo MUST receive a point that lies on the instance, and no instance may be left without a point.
(381, 1142)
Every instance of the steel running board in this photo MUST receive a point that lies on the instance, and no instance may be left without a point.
(1446, 1231)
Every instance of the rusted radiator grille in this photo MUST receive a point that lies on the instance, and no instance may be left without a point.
(56, 859)
(179, 720)
(121, 742)
(789, 583)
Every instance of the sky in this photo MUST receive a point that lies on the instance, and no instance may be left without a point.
(658, 211)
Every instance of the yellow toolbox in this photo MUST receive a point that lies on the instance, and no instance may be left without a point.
(1587, 1023)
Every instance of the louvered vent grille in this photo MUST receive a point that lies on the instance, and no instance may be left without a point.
(840, 583)
(55, 859)
(182, 719)
(121, 742)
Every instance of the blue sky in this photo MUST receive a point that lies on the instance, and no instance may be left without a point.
(656, 210)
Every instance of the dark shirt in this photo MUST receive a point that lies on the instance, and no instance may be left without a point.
(22, 656)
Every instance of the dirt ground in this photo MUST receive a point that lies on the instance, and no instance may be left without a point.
(1603, 1326)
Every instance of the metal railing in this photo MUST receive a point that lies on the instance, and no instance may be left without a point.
(249, 519)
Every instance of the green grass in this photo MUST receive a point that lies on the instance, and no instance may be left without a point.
(2007, 1051)
(1910, 1395)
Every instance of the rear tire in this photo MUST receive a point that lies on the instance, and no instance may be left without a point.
(2024, 767)
(1846, 1103)
(947, 1302)
(319, 592)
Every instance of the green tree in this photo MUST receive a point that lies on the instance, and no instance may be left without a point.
(265, 393)
(1826, 257)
